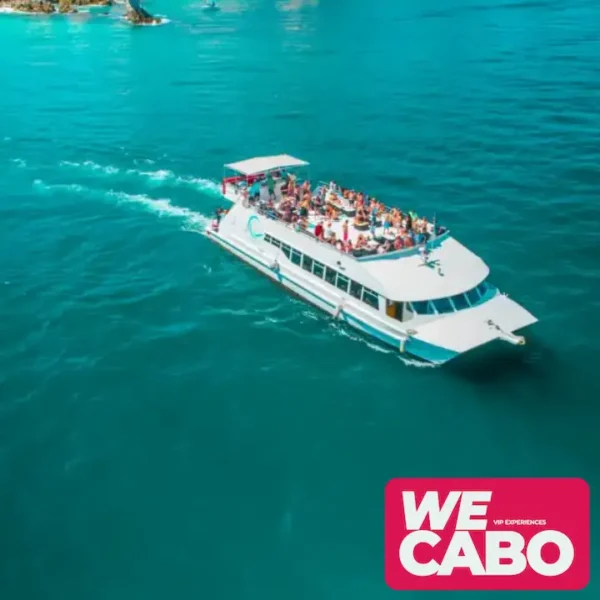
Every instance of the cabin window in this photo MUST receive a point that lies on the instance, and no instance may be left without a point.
(355, 289)
(307, 263)
(318, 269)
(276, 243)
(371, 298)
(460, 302)
(482, 288)
(330, 275)
(296, 257)
(286, 249)
(423, 308)
(473, 296)
(342, 283)
(268, 238)
(443, 305)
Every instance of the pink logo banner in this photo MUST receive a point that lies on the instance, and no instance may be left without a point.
(487, 534)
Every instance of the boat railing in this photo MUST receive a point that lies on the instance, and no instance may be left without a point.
(430, 244)
(357, 254)
(272, 214)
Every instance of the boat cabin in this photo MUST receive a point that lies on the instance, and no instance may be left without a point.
(382, 253)
(396, 288)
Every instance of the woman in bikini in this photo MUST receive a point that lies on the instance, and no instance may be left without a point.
(304, 206)
(345, 231)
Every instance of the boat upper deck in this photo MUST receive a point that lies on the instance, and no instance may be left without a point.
(367, 236)
(350, 221)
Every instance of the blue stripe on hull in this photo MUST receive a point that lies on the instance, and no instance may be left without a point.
(414, 347)
(429, 352)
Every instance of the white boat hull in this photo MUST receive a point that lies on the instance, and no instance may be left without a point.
(271, 274)
(435, 338)
(360, 320)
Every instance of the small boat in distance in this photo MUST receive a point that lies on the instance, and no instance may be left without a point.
(393, 275)
(210, 6)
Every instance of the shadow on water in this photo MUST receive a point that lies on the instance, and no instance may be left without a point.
(541, 386)
(500, 364)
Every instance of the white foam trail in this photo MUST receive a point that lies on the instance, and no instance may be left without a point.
(164, 176)
(409, 362)
(310, 315)
(156, 176)
(59, 187)
(277, 321)
(193, 220)
(19, 162)
(90, 164)
(345, 333)
(159, 175)
(163, 207)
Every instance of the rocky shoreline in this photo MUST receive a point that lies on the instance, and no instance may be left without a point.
(50, 6)
(136, 15)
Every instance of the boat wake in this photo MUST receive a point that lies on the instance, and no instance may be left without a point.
(92, 166)
(158, 176)
(410, 362)
(413, 362)
(344, 332)
(43, 187)
(192, 220)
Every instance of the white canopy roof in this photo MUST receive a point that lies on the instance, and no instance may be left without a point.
(260, 164)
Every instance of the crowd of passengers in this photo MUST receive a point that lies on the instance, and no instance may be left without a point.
(331, 204)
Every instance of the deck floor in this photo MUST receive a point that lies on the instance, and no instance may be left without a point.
(375, 238)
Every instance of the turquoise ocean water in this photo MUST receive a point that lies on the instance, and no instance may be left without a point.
(172, 424)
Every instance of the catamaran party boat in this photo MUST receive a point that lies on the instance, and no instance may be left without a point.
(392, 275)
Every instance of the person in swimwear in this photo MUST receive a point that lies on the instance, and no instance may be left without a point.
(319, 232)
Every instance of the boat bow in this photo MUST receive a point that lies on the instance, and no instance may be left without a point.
(498, 318)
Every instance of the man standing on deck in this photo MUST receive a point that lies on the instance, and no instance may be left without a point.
(271, 186)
